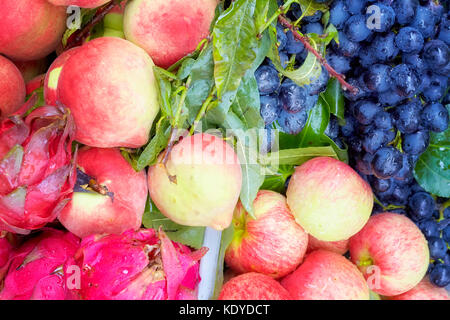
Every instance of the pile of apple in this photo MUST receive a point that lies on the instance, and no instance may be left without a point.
(293, 247)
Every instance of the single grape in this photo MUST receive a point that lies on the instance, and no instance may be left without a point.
(436, 54)
(421, 206)
(356, 28)
(404, 10)
(383, 47)
(438, 247)
(281, 38)
(404, 80)
(416, 143)
(409, 40)
(267, 79)
(386, 162)
(364, 164)
(383, 120)
(407, 117)
(293, 98)
(355, 6)
(269, 108)
(429, 228)
(313, 27)
(292, 123)
(380, 185)
(435, 117)
(424, 21)
(339, 14)
(346, 47)
(385, 16)
(365, 111)
(377, 78)
(293, 46)
(435, 87)
(338, 62)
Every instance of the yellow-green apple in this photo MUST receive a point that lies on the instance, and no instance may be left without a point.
(109, 197)
(391, 251)
(329, 199)
(80, 3)
(113, 22)
(339, 247)
(32, 69)
(12, 87)
(52, 76)
(199, 184)
(424, 290)
(109, 86)
(168, 30)
(253, 286)
(35, 83)
(325, 275)
(30, 29)
(272, 243)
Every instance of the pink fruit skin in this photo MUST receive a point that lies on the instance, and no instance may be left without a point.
(253, 286)
(6, 250)
(80, 3)
(35, 83)
(51, 87)
(329, 199)
(36, 170)
(107, 215)
(12, 87)
(325, 275)
(168, 30)
(142, 265)
(109, 86)
(339, 247)
(273, 244)
(424, 290)
(395, 245)
(35, 270)
(31, 29)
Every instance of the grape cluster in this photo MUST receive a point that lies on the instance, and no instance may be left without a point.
(282, 100)
(396, 53)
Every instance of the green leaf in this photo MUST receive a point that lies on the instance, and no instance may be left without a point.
(299, 156)
(235, 42)
(309, 7)
(305, 74)
(277, 182)
(245, 110)
(157, 144)
(263, 10)
(334, 98)
(202, 81)
(189, 236)
(252, 172)
(164, 87)
(432, 169)
(227, 237)
(316, 124)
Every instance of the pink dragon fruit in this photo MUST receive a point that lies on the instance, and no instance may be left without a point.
(137, 265)
(36, 171)
(5, 253)
(37, 269)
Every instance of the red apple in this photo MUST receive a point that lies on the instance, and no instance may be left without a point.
(392, 252)
(109, 86)
(30, 29)
(12, 87)
(168, 30)
(200, 183)
(52, 76)
(79, 3)
(424, 290)
(339, 247)
(117, 209)
(325, 275)
(272, 244)
(253, 286)
(329, 199)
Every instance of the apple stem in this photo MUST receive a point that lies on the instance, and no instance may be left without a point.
(78, 37)
(305, 41)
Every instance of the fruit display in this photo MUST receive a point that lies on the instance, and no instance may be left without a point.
(224, 150)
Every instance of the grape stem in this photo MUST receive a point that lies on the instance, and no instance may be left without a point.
(345, 85)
